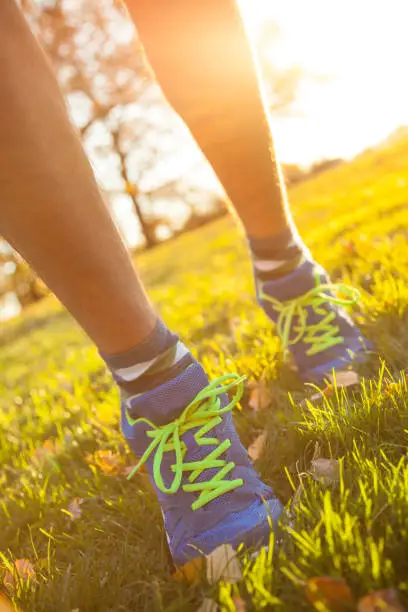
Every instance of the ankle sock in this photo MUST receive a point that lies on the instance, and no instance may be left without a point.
(276, 256)
(151, 364)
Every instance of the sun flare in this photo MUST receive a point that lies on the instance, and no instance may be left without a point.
(360, 50)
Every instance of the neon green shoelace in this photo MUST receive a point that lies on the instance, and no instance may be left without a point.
(321, 335)
(205, 413)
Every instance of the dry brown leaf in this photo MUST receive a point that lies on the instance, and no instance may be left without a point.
(107, 461)
(381, 601)
(261, 396)
(9, 581)
(22, 571)
(128, 469)
(256, 447)
(316, 397)
(392, 387)
(5, 604)
(112, 463)
(74, 508)
(345, 378)
(222, 564)
(334, 593)
(189, 572)
(326, 471)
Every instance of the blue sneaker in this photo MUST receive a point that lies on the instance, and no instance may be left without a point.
(311, 321)
(207, 488)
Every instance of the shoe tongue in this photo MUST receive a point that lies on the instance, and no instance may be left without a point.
(295, 284)
(165, 403)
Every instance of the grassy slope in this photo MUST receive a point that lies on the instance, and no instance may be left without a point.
(53, 387)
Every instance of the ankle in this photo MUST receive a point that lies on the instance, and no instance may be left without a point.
(277, 255)
(156, 360)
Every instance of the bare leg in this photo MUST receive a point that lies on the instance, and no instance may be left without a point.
(204, 63)
(205, 66)
(51, 210)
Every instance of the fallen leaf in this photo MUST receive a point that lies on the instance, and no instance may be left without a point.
(381, 601)
(334, 593)
(74, 508)
(107, 461)
(261, 396)
(392, 388)
(345, 378)
(128, 469)
(222, 564)
(326, 471)
(190, 571)
(22, 571)
(342, 379)
(5, 604)
(316, 397)
(256, 447)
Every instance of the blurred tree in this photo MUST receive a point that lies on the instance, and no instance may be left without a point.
(101, 71)
(293, 173)
(128, 130)
(122, 116)
(18, 278)
(121, 147)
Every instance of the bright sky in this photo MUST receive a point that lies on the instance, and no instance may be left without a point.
(359, 47)
(362, 45)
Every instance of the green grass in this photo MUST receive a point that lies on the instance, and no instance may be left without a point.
(53, 386)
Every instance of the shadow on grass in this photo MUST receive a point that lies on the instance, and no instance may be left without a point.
(388, 333)
(23, 327)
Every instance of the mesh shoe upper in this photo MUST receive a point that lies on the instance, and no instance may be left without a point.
(241, 515)
(312, 321)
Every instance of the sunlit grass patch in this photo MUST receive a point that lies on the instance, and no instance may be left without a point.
(60, 439)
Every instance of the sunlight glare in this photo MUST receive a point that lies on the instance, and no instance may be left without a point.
(362, 47)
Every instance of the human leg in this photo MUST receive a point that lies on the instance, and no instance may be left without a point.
(204, 63)
(52, 212)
